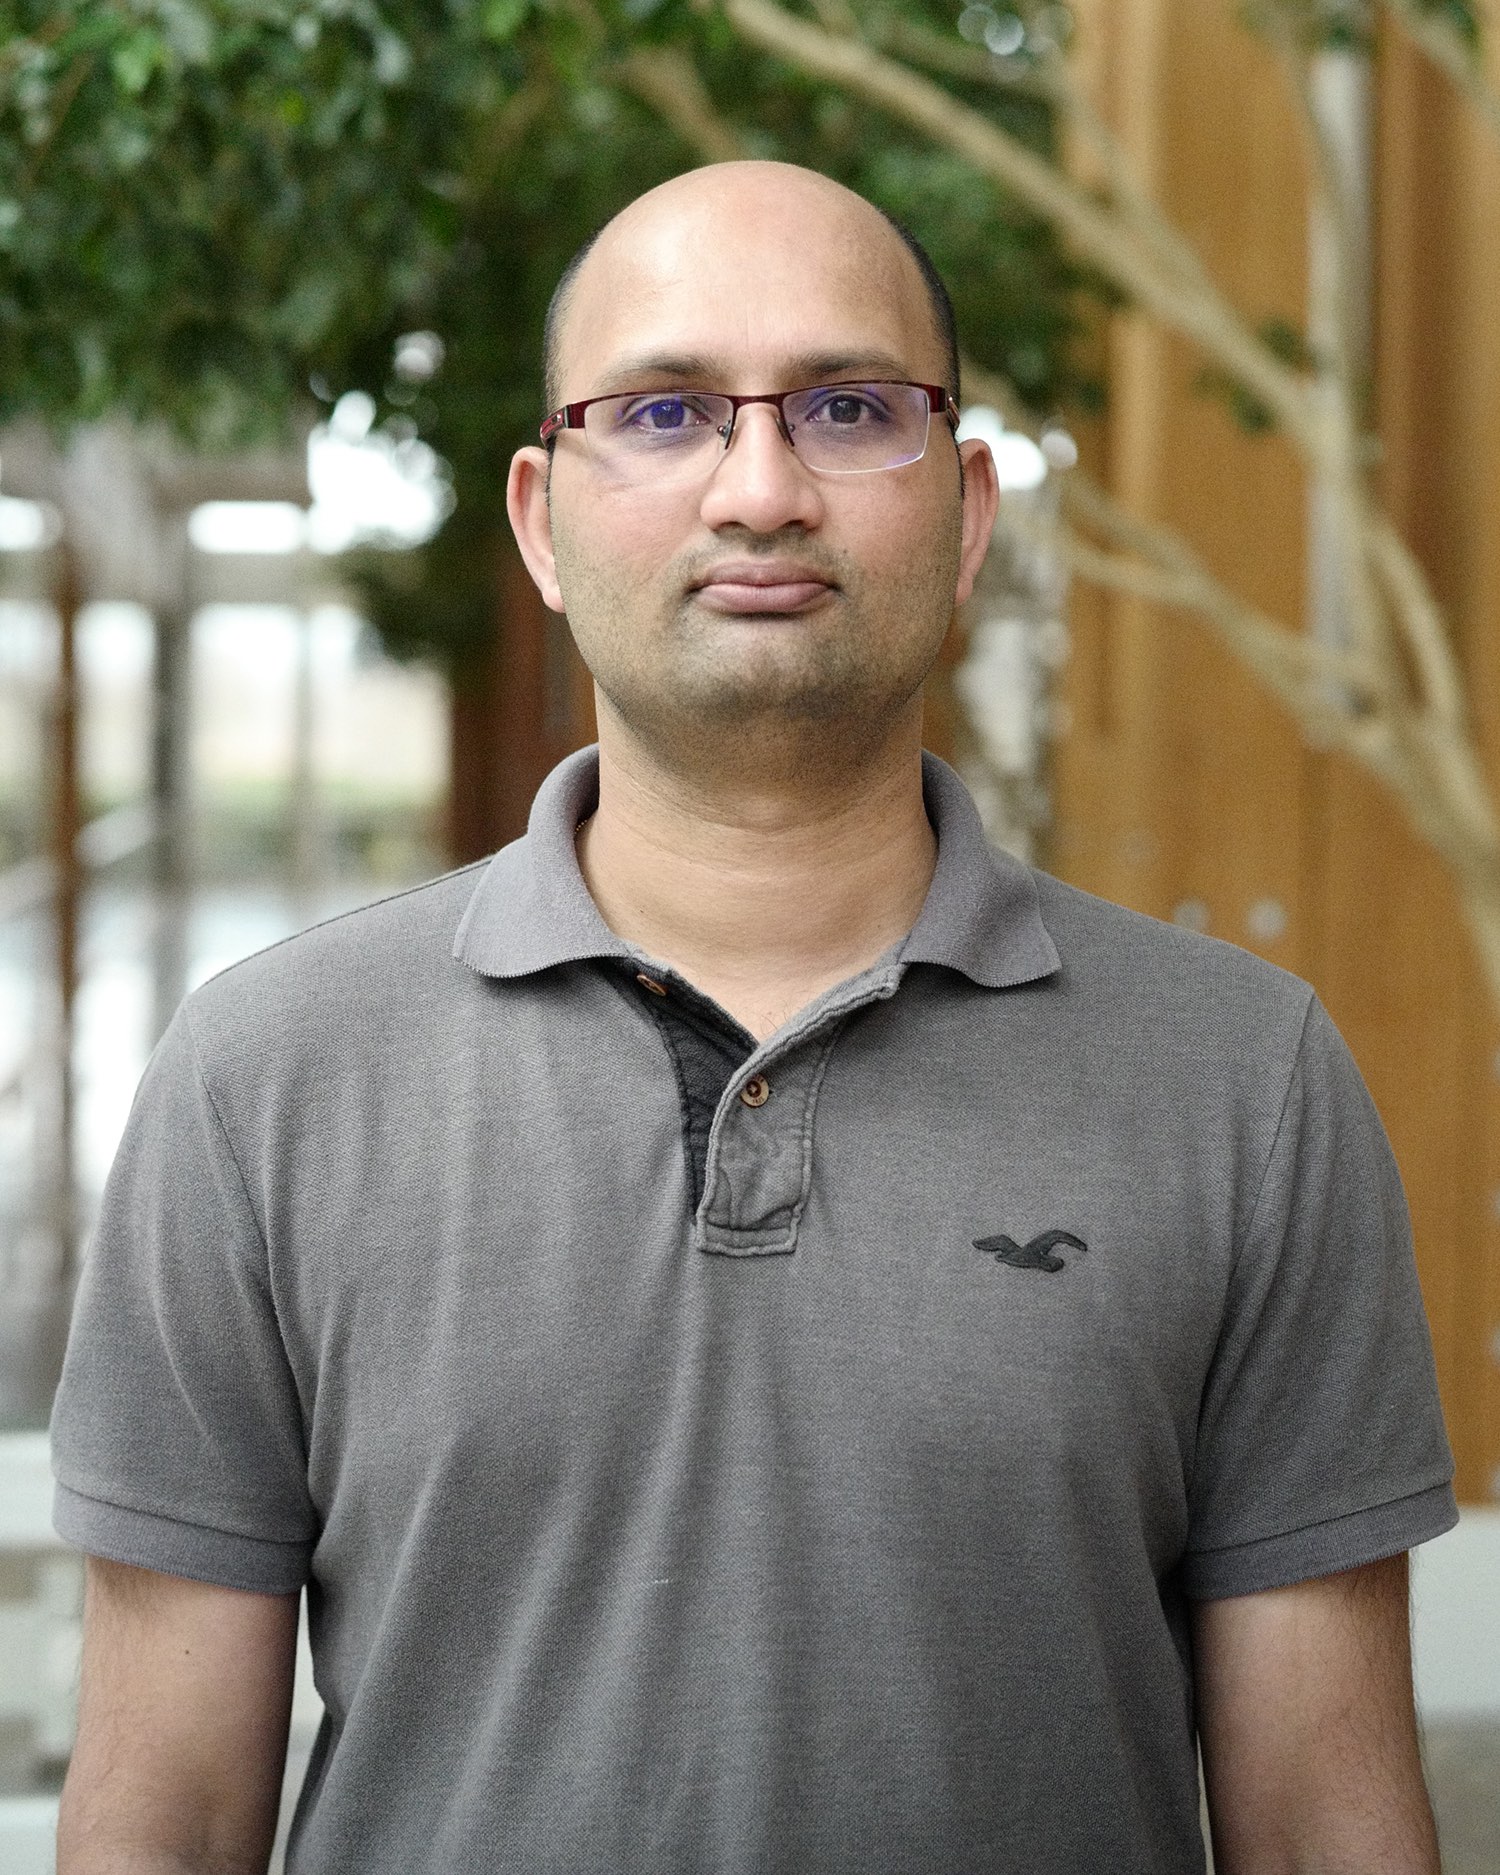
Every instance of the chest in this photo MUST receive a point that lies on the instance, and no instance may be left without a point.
(1004, 1287)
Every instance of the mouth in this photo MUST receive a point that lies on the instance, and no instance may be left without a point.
(760, 586)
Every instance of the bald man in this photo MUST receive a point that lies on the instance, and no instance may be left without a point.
(772, 1337)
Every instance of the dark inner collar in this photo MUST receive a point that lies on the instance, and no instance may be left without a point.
(707, 1048)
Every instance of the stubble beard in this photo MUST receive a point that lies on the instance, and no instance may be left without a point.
(813, 696)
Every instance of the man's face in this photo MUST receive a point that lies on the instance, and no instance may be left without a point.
(759, 597)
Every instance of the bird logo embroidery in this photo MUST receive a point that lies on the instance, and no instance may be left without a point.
(1039, 1254)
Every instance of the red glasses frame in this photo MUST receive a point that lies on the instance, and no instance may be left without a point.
(570, 416)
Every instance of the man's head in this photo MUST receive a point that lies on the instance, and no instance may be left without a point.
(938, 300)
(757, 610)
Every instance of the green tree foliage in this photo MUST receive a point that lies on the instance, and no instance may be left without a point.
(213, 211)
(201, 201)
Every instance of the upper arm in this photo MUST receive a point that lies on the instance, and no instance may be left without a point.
(182, 1725)
(1305, 1713)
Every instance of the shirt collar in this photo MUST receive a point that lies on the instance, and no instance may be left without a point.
(531, 908)
(981, 914)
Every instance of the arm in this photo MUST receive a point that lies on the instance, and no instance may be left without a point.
(182, 1725)
(1305, 1713)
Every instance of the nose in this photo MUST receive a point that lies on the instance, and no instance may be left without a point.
(759, 482)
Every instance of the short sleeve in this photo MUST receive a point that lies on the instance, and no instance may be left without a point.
(1320, 1438)
(177, 1434)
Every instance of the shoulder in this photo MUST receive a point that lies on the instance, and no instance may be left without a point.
(1169, 998)
(1136, 958)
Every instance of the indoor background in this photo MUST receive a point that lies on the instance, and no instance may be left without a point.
(1228, 281)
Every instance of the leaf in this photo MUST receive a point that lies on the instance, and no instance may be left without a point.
(136, 60)
(1460, 18)
(1315, 25)
(1247, 410)
(502, 19)
(188, 31)
(1284, 341)
(392, 59)
(308, 311)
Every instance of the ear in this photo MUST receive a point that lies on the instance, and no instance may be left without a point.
(981, 504)
(531, 521)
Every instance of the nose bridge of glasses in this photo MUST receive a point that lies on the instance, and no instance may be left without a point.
(776, 399)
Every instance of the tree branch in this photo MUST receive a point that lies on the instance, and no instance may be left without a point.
(1339, 366)
(1447, 48)
(1181, 579)
(1299, 671)
(63, 99)
(1195, 308)
(1421, 749)
(1333, 204)
(509, 128)
(668, 81)
(951, 58)
(1422, 623)
(1160, 566)
(1134, 205)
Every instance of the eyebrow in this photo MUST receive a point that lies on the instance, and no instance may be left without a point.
(669, 370)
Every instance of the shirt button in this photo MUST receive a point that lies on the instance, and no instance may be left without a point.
(650, 983)
(756, 1091)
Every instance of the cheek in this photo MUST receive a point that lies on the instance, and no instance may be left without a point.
(609, 551)
(907, 513)
(611, 573)
(911, 547)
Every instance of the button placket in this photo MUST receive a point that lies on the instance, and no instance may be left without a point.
(759, 1167)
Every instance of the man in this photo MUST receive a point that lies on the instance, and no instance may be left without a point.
(792, 1344)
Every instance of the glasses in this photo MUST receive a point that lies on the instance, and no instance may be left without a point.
(836, 429)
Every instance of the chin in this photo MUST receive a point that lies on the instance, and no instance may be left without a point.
(778, 730)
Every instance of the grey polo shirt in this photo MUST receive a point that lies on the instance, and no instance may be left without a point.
(818, 1489)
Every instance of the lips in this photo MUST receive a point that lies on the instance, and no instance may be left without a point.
(761, 586)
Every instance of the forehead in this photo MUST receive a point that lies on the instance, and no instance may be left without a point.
(749, 289)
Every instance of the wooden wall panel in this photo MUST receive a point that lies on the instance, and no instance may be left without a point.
(1393, 970)
(1181, 788)
(1159, 806)
(1438, 402)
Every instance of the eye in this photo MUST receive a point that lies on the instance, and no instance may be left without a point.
(847, 406)
(666, 414)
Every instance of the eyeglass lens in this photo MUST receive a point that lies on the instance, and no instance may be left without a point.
(836, 429)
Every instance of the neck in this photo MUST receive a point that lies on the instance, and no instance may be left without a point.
(761, 890)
